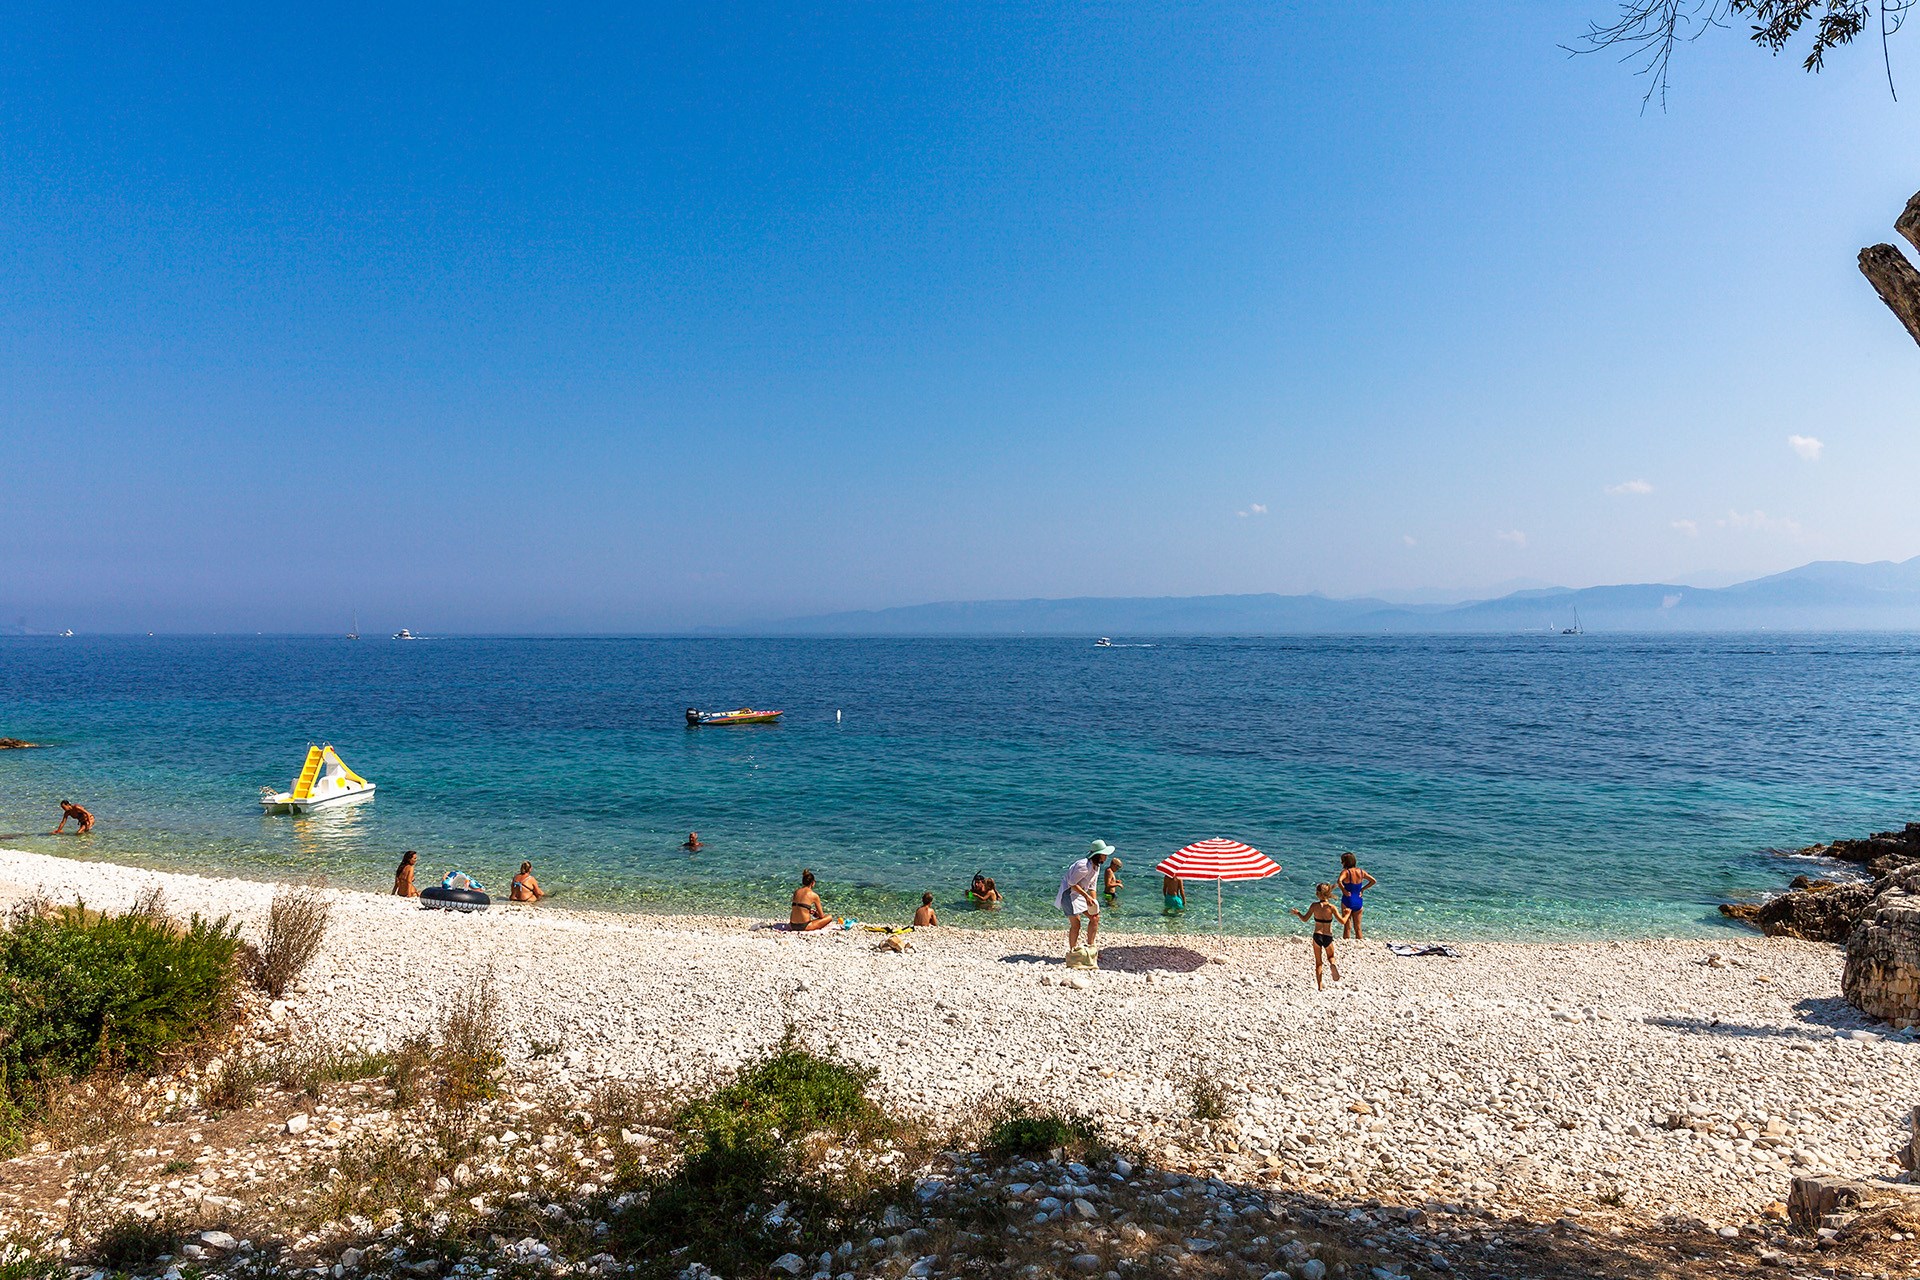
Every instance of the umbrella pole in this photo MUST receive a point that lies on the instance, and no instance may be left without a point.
(1219, 909)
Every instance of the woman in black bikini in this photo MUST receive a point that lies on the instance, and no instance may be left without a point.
(1323, 915)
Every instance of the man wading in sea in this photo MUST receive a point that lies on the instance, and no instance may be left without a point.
(1076, 896)
(71, 811)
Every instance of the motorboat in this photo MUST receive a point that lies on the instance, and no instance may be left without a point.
(744, 715)
(324, 780)
(404, 634)
(1103, 643)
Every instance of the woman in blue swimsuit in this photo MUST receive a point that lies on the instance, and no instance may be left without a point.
(1354, 882)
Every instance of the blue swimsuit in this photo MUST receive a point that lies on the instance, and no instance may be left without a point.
(1350, 895)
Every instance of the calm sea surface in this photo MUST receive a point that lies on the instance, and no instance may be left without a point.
(1523, 786)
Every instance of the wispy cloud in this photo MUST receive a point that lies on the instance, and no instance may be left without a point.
(1254, 509)
(1408, 540)
(1808, 447)
(1760, 522)
(1689, 527)
(1629, 487)
(1513, 536)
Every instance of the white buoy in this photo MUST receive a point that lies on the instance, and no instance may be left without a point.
(836, 716)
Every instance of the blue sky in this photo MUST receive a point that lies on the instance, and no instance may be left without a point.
(469, 319)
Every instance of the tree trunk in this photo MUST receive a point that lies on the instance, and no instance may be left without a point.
(1892, 276)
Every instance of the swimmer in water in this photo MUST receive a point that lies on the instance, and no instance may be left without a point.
(693, 844)
(807, 913)
(525, 887)
(71, 811)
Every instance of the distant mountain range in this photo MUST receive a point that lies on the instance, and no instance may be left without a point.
(1828, 595)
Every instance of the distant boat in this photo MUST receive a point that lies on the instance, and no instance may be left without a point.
(744, 715)
(67, 632)
(324, 780)
(1103, 643)
(404, 634)
(1576, 629)
(355, 633)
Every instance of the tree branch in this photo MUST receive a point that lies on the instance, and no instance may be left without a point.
(1908, 223)
(1895, 280)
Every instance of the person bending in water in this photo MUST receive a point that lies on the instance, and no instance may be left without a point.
(1354, 882)
(525, 887)
(1174, 892)
(807, 913)
(1323, 915)
(71, 811)
(403, 876)
(925, 916)
(693, 844)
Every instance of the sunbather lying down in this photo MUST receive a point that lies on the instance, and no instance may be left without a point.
(807, 913)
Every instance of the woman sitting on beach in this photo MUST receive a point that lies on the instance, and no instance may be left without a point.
(403, 876)
(525, 887)
(1174, 892)
(807, 913)
(925, 915)
(1322, 915)
(1354, 882)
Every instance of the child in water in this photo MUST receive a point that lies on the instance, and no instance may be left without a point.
(1323, 915)
(925, 916)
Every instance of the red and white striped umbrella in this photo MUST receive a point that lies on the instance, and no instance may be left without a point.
(1219, 860)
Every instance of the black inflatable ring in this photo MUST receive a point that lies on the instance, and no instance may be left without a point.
(454, 900)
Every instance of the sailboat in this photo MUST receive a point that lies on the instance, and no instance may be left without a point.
(355, 633)
(324, 780)
(1576, 629)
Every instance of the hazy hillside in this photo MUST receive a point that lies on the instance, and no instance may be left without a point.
(1828, 595)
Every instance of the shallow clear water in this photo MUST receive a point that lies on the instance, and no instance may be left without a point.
(1594, 785)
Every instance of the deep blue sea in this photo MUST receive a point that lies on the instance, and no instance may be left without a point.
(1517, 787)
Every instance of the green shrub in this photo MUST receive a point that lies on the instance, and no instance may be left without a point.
(131, 1243)
(1020, 1130)
(792, 1090)
(81, 991)
(17, 1262)
(744, 1155)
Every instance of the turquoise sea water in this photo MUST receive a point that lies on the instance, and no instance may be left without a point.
(1517, 787)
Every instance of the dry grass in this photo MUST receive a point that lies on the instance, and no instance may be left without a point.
(472, 1046)
(296, 926)
(1207, 1097)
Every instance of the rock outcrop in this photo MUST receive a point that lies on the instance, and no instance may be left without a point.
(15, 743)
(1823, 910)
(1824, 913)
(1882, 975)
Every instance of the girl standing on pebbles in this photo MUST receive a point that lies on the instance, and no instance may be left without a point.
(1323, 915)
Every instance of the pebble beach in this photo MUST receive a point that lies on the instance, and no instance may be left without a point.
(1661, 1077)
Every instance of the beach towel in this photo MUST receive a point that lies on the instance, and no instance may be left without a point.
(1406, 949)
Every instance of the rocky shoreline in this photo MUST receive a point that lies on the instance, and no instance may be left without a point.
(1877, 919)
